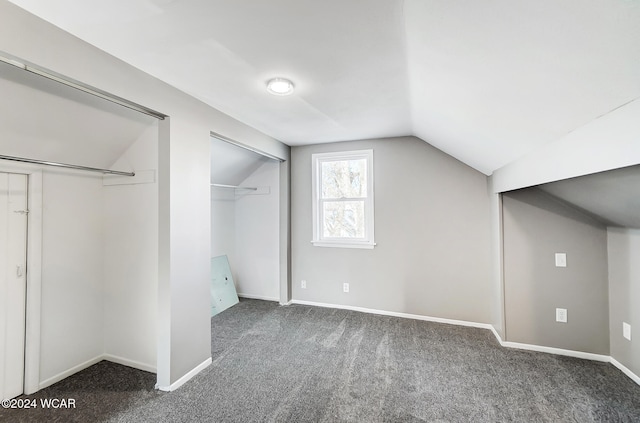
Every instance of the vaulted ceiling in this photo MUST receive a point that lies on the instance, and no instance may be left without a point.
(485, 81)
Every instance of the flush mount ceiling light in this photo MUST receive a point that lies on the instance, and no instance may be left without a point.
(280, 86)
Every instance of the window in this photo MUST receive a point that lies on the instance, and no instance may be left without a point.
(343, 199)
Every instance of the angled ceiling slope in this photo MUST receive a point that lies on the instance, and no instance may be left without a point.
(230, 165)
(68, 126)
(486, 82)
(613, 196)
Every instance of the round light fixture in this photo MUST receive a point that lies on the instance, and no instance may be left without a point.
(280, 86)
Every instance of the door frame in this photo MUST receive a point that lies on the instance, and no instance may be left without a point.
(33, 307)
(284, 212)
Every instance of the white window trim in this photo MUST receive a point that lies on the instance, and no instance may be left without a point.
(318, 241)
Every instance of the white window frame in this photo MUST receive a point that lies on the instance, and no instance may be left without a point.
(318, 239)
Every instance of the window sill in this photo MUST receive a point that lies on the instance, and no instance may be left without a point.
(361, 245)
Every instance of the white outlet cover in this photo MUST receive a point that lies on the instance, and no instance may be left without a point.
(561, 259)
(561, 315)
(345, 287)
(303, 284)
(626, 330)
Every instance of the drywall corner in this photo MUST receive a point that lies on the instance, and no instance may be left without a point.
(623, 249)
(497, 264)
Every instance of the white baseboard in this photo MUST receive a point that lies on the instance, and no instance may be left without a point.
(634, 377)
(506, 344)
(557, 351)
(551, 350)
(184, 379)
(258, 297)
(91, 362)
(149, 368)
(69, 372)
(496, 334)
(130, 363)
(397, 314)
(125, 362)
(571, 353)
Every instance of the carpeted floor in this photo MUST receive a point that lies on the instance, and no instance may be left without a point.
(307, 364)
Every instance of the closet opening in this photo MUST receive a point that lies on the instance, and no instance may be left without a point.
(245, 224)
(91, 277)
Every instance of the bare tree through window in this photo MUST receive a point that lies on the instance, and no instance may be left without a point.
(344, 190)
(343, 199)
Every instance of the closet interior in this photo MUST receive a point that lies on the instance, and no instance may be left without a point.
(245, 210)
(92, 257)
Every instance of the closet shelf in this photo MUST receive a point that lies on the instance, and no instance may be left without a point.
(234, 187)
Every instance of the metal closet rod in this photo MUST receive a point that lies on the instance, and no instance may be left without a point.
(234, 187)
(246, 147)
(66, 165)
(54, 76)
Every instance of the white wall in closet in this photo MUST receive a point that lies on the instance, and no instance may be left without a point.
(99, 249)
(257, 234)
(245, 223)
(131, 257)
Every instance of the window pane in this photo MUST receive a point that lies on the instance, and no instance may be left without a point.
(344, 179)
(343, 219)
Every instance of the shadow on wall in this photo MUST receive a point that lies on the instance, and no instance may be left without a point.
(536, 227)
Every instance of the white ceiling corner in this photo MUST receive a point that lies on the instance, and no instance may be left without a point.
(486, 82)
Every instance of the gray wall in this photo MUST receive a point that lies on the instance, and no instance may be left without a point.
(624, 295)
(432, 233)
(536, 226)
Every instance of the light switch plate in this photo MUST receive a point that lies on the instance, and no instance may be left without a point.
(561, 259)
(626, 330)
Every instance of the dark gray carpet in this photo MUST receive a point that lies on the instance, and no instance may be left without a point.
(307, 364)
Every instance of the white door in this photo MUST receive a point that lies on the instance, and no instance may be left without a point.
(13, 263)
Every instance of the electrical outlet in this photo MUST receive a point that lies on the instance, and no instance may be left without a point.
(626, 330)
(303, 284)
(561, 315)
(345, 287)
(561, 259)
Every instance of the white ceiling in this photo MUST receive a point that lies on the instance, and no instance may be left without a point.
(485, 81)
